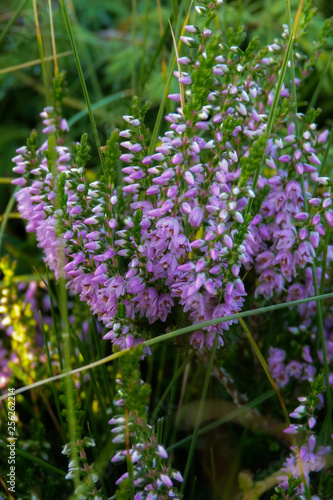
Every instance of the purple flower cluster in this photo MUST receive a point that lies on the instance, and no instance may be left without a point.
(178, 235)
(153, 478)
(283, 372)
(283, 369)
(306, 457)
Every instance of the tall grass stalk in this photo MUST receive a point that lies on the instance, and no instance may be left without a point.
(266, 370)
(49, 362)
(41, 50)
(82, 80)
(17, 67)
(144, 45)
(54, 48)
(276, 98)
(200, 413)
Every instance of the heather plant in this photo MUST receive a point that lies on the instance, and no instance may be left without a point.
(224, 215)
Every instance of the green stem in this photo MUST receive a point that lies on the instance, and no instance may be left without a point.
(49, 362)
(171, 384)
(266, 370)
(170, 406)
(324, 263)
(133, 44)
(71, 418)
(200, 412)
(41, 53)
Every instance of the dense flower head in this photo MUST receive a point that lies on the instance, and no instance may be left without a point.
(180, 233)
(306, 456)
(153, 477)
(220, 210)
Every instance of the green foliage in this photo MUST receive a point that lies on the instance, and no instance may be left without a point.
(308, 12)
(82, 151)
(135, 393)
(60, 91)
(139, 112)
(78, 412)
(136, 230)
(251, 49)
(250, 164)
(51, 154)
(326, 32)
(111, 155)
(62, 196)
(32, 142)
(121, 311)
(236, 36)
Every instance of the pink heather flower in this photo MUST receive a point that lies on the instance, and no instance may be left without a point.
(50, 129)
(303, 234)
(196, 216)
(311, 422)
(126, 157)
(314, 159)
(292, 429)
(166, 480)
(135, 148)
(185, 80)
(314, 239)
(174, 97)
(299, 168)
(284, 158)
(177, 158)
(322, 138)
(329, 218)
(21, 181)
(302, 216)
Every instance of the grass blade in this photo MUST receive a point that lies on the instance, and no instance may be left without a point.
(266, 370)
(144, 45)
(38, 461)
(276, 98)
(55, 394)
(12, 21)
(234, 414)
(99, 104)
(40, 48)
(200, 413)
(82, 80)
(54, 47)
(17, 67)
